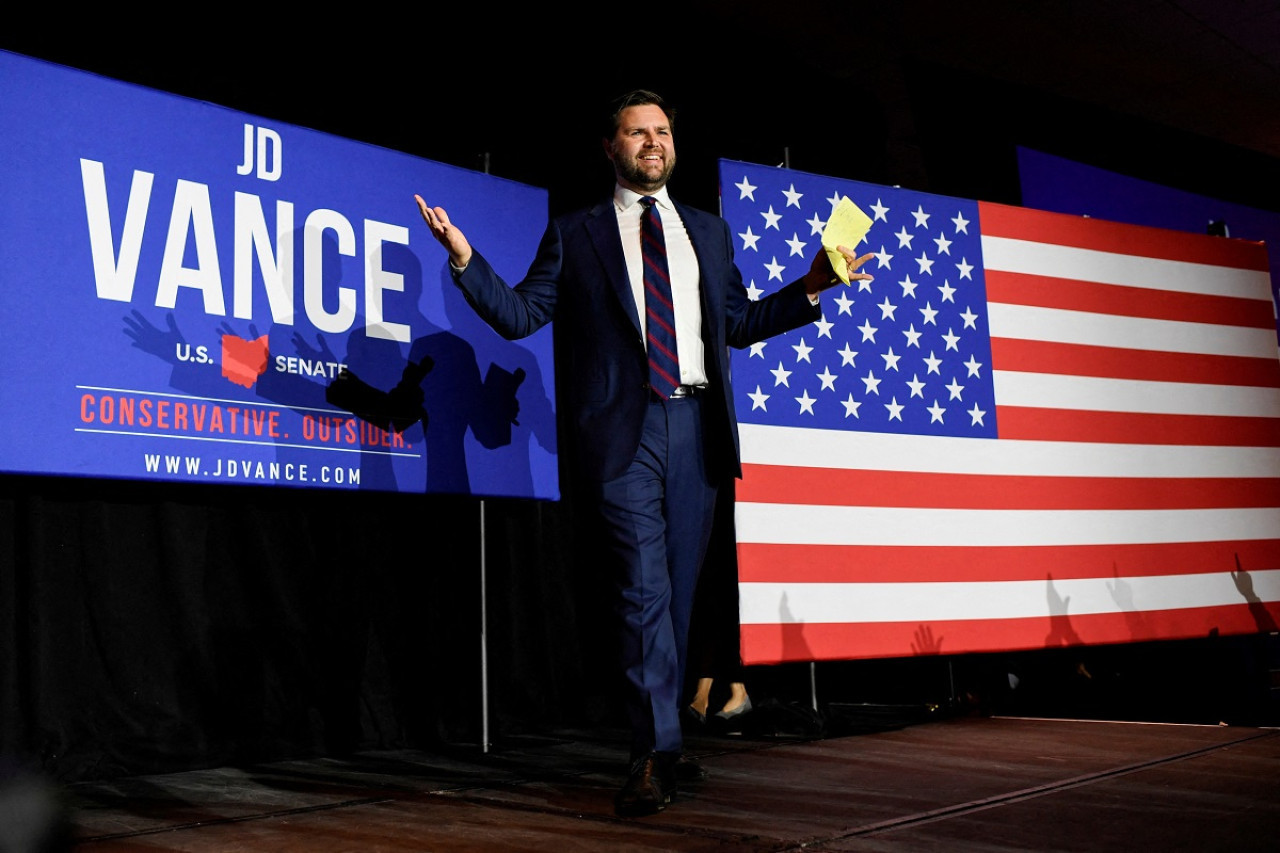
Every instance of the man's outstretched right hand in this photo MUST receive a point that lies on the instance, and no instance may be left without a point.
(453, 240)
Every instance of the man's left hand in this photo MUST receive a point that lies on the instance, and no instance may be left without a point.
(822, 275)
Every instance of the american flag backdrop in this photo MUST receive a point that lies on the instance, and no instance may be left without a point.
(1030, 430)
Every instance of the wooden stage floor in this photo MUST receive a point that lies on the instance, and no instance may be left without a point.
(971, 783)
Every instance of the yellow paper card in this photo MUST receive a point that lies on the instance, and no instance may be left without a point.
(846, 227)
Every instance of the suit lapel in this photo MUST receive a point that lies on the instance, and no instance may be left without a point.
(602, 226)
(703, 238)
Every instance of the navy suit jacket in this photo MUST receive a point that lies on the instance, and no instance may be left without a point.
(579, 280)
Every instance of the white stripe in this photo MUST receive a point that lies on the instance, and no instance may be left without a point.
(813, 603)
(813, 524)
(1031, 323)
(815, 448)
(1093, 393)
(1025, 256)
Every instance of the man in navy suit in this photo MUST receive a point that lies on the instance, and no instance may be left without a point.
(652, 459)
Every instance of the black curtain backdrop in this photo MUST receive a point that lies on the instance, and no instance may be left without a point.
(152, 627)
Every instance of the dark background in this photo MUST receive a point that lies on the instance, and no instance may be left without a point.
(150, 627)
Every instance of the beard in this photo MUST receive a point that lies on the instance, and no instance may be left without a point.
(633, 170)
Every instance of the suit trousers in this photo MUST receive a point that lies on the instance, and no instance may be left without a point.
(657, 520)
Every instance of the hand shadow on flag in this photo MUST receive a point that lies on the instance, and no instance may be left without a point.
(925, 642)
(1122, 594)
(1257, 609)
(1060, 631)
(793, 645)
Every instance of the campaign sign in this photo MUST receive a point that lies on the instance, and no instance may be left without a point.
(192, 293)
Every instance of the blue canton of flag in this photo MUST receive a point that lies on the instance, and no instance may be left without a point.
(909, 352)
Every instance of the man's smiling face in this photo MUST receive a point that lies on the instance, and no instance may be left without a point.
(643, 150)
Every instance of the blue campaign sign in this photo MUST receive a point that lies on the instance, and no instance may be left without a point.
(191, 293)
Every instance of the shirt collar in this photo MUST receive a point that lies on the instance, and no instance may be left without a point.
(624, 198)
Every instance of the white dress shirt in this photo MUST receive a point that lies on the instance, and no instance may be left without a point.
(683, 265)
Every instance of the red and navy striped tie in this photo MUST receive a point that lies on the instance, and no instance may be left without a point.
(660, 318)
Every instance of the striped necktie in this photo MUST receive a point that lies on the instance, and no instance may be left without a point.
(660, 318)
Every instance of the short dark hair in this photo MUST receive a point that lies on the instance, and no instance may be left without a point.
(634, 98)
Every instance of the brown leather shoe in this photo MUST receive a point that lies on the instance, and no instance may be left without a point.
(649, 788)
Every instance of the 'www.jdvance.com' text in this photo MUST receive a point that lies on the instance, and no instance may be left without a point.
(249, 469)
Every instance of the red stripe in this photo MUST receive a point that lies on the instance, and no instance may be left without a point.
(662, 294)
(1072, 295)
(768, 644)
(660, 271)
(652, 230)
(659, 320)
(1020, 422)
(654, 236)
(773, 563)
(658, 369)
(653, 226)
(863, 487)
(658, 345)
(1116, 363)
(1062, 229)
